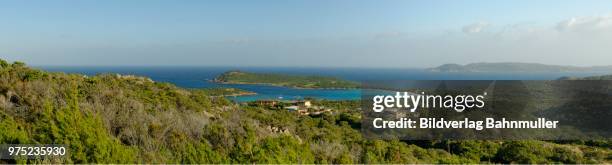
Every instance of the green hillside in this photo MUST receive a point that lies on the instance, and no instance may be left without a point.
(128, 119)
(239, 77)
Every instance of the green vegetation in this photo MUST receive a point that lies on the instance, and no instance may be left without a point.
(127, 119)
(514, 67)
(226, 92)
(239, 77)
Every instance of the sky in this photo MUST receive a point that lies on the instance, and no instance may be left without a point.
(305, 33)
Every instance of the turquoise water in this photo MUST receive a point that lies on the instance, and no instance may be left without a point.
(274, 92)
(198, 77)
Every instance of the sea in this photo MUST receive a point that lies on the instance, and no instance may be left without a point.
(199, 77)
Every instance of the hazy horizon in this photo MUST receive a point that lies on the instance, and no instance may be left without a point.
(263, 66)
(305, 33)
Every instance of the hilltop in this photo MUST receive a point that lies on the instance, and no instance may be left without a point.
(294, 81)
(112, 118)
(514, 67)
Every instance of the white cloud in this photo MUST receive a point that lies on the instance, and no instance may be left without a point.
(475, 27)
(576, 28)
(589, 23)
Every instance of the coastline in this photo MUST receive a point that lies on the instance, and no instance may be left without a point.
(239, 94)
(276, 85)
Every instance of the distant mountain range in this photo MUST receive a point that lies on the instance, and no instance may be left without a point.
(516, 67)
(603, 77)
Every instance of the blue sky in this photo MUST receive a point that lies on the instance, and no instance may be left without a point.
(327, 33)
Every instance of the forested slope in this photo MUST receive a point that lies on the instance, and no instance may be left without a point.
(128, 119)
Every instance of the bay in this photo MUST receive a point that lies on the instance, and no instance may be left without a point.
(199, 77)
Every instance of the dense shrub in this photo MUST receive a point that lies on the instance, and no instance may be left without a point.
(128, 119)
